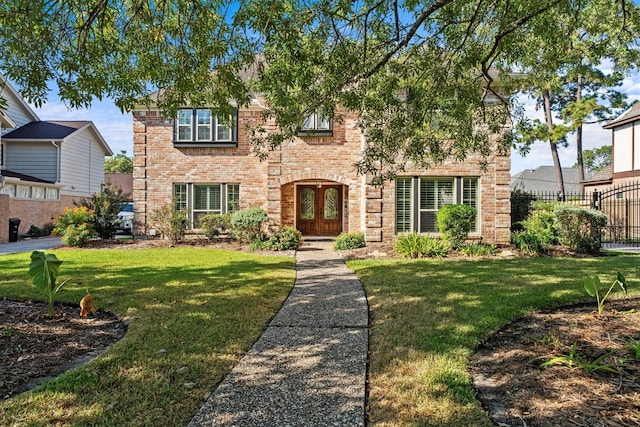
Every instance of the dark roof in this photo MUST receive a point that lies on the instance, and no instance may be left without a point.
(604, 175)
(543, 179)
(45, 130)
(10, 174)
(630, 115)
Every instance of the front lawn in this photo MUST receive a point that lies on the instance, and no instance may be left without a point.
(427, 317)
(191, 312)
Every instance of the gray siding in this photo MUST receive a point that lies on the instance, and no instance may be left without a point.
(82, 164)
(38, 159)
(16, 110)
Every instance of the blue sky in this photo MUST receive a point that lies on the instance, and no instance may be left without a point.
(117, 128)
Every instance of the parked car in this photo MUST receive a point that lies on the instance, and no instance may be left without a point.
(125, 218)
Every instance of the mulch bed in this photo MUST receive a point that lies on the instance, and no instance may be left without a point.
(516, 391)
(34, 347)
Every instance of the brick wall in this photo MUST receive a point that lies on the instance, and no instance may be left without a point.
(30, 212)
(307, 159)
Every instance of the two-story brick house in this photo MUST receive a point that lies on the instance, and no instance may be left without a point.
(309, 183)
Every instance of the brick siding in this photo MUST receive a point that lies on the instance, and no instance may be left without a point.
(304, 160)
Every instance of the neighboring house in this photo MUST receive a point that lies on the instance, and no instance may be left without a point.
(625, 151)
(121, 181)
(200, 164)
(44, 165)
(542, 180)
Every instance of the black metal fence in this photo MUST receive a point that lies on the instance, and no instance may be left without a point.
(621, 204)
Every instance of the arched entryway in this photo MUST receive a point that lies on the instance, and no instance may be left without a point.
(319, 208)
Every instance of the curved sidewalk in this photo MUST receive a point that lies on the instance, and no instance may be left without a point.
(309, 366)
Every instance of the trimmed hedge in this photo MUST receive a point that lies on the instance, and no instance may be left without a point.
(580, 228)
(347, 241)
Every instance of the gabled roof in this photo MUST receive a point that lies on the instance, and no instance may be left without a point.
(604, 175)
(7, 87)
(543, 179)
(632, 114)
(56, 130)
(23, 177)
(48, 131)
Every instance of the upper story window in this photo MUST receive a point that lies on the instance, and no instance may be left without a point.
(315, 124)
(196, 126)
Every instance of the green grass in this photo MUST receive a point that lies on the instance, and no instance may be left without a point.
(202, 307)
(428, 316)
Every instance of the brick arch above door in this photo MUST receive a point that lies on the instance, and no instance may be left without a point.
(317, 176)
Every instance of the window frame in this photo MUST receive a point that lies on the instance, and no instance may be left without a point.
(184, 198)
(310, 126)
(409, 206)
(213, 126)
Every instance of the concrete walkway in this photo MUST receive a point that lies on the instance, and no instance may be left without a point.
(309, 366)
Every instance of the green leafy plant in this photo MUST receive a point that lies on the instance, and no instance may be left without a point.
(212, 225)
(455, 222)
(527, 242)
(75, 226)
(44, 270)
(171, 223)
(573, 360)
(478, 249)
(347, 241)
(247, 224)
(46, 230)
(592, 285)
(105, 206)
(414, 245)
(287, 238)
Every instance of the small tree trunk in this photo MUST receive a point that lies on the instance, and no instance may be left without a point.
(554, 147)
(579, 138)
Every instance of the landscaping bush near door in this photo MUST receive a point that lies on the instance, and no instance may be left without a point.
(247, 224)
(347, 241)
(286, 238)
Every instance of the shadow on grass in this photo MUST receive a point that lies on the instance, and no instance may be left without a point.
(429, 316)
(191, 314)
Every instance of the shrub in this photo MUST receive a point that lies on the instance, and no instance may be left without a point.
(580, 228)
(246, 224)
(213, 225)
(46, 230)
(75, 226)
(105, 206)
(520, 208)
(171, 223)
(527, 242)
(414, 245)
(346, 241)
(455, 223)
(287, 238)
(542, 222)
(478, 249)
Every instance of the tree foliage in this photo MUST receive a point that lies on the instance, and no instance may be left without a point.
(597, 159)
(426, 77)
(120, 163)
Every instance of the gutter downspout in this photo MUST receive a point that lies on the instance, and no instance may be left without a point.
(57, 160)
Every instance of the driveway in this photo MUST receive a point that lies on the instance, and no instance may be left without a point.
(29, 245)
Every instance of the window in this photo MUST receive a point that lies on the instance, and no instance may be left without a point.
(200, 126)
(418, 200)
(202, 199)
(315, 124)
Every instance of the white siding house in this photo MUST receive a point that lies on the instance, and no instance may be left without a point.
(45, 166)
